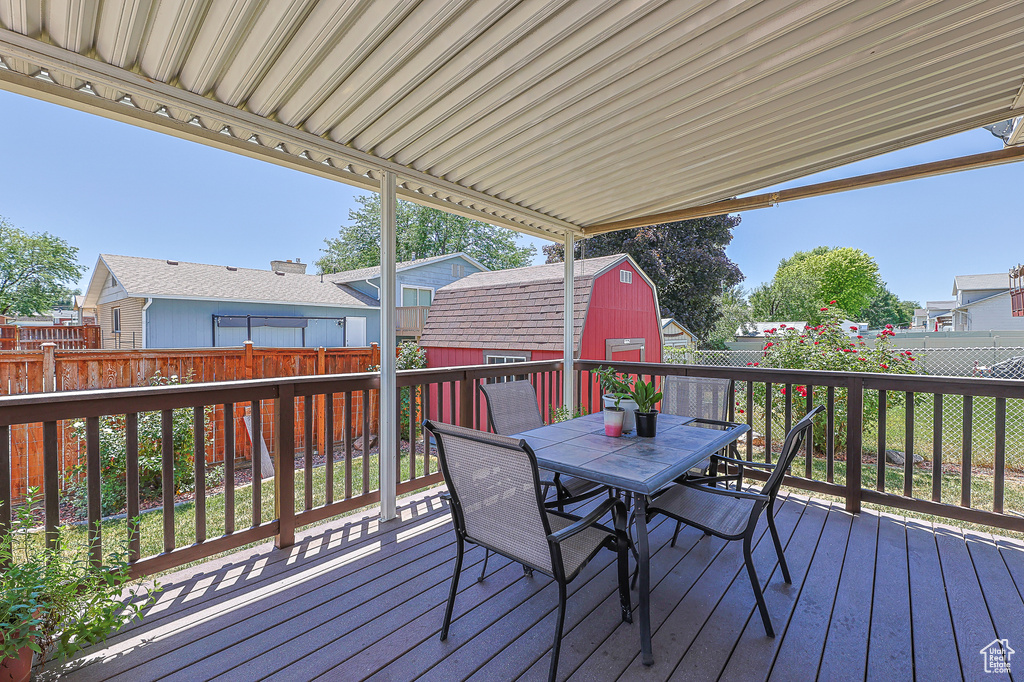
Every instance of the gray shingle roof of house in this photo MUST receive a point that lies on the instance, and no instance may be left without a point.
(371, 272)
(996, 280)
(151, 277)
(521, 308)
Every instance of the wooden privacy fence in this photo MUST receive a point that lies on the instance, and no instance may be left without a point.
(52, 370)
(66, 337)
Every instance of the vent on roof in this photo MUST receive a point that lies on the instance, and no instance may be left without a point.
(172, 262)
(278, 272)
(232, 268)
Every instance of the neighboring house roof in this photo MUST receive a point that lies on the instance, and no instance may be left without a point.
(372, 272)
(976, 301)
(154, 278)
(940, 305)
(997, 280)
(517, 308)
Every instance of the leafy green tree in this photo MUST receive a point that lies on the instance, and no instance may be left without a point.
(422, 232)
(846, 276)
(736, 314)
(35, 270)
(686, 261)
(886, 308)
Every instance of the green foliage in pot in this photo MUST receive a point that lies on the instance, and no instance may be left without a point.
(645, 395)
(54, 600)
(613, 383)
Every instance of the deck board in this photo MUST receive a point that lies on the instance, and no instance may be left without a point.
(873, 596)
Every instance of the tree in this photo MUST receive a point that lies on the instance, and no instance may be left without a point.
(686, 261)
(846, 276)
(422, 232)
(35, 270)
(886, 308)
(736, 314)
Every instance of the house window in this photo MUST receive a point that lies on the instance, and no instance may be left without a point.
(503, 358)
(458, 270)
(115, 320)
(416, 296)
(625, 276)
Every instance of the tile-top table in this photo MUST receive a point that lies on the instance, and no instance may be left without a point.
(641, 466)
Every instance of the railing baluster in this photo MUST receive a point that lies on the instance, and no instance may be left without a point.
(908, 452)
(423, 430)
(789, 407)
(51, 483)
(413, 390)
(229, 468)
(750, 421)
(167, 482)
(5, 483)
(1000, 456)
(809, 445)
(92, 478)
(199, 467)
(131, 437)
(329, 444)
(452, 403)
(830, 434)
(965, 467)
(854, 441)
(937, 448)
(347, 438)
(284, 466)
(768, 422)
(366, 447)
(307, 452)
(256, 418)
(882, 406)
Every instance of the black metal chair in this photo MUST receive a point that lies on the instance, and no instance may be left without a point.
(512, 408)
(496, 502)
(733, 514)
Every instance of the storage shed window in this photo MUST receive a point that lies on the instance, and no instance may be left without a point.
(502, 359)
(625, 276)
(115, 320)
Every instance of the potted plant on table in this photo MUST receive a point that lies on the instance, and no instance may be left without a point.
(645, 395)
(53, 600)
(616, 396)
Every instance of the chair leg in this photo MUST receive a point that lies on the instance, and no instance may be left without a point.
(459, 549)
(679, 524)
(778, 546)
(755, 583)
(624, 599)
(559, 623)
(483, 571)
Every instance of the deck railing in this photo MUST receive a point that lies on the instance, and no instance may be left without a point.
(307, 484)
(410, 319)
(969, 474)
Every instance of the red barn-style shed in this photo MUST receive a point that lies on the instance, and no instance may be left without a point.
(516, 315)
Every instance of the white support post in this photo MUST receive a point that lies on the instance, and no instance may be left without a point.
(388, 429)
(568, 353)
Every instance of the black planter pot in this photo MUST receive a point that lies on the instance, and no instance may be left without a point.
(646, 423)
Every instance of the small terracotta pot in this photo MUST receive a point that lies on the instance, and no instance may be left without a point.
(613, 417)
(17, 669)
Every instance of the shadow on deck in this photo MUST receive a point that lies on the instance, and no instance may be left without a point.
(873, 596)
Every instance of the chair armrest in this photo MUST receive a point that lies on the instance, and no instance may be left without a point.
(741, 462)
(587, 521)
(445, 495)
(741, 494)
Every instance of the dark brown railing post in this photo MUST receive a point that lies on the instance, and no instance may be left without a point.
(5, 483)
(854, 432)
(284, 467)
(466, 397)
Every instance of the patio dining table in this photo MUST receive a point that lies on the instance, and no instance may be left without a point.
(641, 466)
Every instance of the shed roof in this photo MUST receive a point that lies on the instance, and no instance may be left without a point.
(154, 278)
(516, 308)
(540, 115)
(995, 280)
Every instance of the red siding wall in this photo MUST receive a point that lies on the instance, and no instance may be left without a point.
(619, 311)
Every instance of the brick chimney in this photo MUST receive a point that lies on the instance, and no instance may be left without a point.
(297, 267)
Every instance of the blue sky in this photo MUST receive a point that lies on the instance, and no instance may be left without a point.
(108, 187)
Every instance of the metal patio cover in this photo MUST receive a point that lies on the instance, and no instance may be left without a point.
(542, 115)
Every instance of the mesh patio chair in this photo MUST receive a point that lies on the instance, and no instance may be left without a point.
(512, 408)
(496, 502)
(733, 514)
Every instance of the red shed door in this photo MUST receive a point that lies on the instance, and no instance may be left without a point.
(624, 350)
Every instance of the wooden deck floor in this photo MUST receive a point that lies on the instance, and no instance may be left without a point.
(873, 596)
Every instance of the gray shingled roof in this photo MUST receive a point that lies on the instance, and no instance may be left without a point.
(151, 277)
(996, 280)
(507, 309)
(371, 272)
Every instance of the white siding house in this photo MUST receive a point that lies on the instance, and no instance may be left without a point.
(982, 303)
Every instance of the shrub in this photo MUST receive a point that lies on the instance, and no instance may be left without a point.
(827, 346)
(114, 455)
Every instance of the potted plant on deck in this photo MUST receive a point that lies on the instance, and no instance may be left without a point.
(616, 396)
(53, 600)
(646, 396)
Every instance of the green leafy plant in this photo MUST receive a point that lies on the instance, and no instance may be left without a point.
(114, 455)
(613, 383)
(645, 395)
(53, 599)
(410, 356)
(561, 414)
